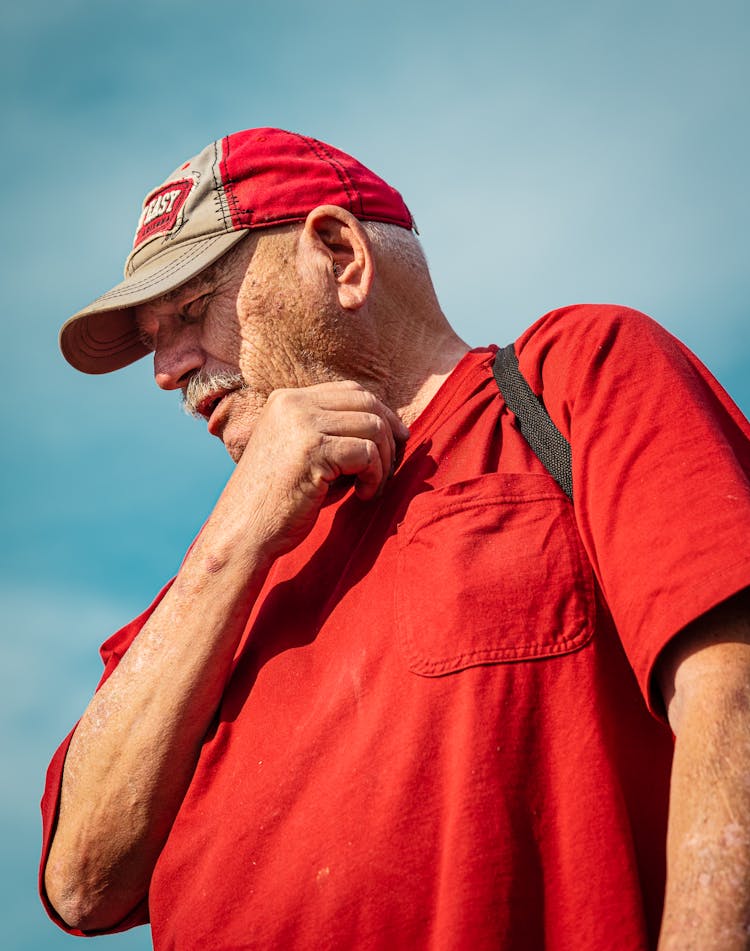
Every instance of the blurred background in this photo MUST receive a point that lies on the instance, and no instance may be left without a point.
(550, 152)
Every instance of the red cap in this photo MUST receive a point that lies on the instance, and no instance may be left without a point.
(252, 179)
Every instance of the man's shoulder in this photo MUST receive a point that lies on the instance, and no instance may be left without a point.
(567, 343)
(591, 322)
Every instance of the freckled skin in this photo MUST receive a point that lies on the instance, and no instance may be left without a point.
(272, 324)
(706, 680)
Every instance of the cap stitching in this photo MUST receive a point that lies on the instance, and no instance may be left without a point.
(96, 348)
(157, 276)
(343, 174)
(86, 335)
(346, 183)
(230, 195)
(219, 188)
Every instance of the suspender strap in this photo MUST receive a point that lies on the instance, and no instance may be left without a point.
(549, 444)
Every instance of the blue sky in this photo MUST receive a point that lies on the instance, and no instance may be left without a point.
(550, 152)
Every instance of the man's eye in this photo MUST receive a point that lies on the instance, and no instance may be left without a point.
(188, 317)
(193, 312)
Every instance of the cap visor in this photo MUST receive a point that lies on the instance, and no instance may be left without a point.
(103, 337)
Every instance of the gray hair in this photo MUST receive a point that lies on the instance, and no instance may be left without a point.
(395, 241)
(390, 241)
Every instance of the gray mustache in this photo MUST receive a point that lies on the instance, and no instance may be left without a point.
(204, 383)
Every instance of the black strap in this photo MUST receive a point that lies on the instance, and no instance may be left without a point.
(552, 448)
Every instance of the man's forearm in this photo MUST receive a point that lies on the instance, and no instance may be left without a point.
(707, 905)
(134, 751)
(133, 754)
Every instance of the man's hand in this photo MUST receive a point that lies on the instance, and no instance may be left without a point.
(303, 442)
(133, 753)
(705, 678)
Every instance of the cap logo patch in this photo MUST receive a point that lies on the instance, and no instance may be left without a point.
(160, 211)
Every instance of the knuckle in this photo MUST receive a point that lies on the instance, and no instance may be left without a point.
(288, 403)
(369, 402)
(352, 385)
(373, 453)
(379, 425)
(278, 396)
(375, 422)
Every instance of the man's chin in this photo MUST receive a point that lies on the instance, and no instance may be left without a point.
(235, 447)
(235, 454)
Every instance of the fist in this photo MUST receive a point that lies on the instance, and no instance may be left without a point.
(303, 441)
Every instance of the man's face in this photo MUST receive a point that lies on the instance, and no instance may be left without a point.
(238, 331)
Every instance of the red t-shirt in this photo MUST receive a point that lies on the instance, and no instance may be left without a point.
(435, 735)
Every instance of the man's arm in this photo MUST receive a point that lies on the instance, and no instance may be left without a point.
(705, 679)
(133, 754)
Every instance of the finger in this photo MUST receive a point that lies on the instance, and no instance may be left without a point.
(399, 429)
(348, 394)
(353, 456)
(366, 426)
(341, 408)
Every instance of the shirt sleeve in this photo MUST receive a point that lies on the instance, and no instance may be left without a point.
(111, 653)
(661, 459)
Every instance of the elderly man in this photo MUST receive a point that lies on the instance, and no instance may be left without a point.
(402, 693)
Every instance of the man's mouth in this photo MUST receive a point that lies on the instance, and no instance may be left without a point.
(210, 409)
(204, 392)
(209, 403)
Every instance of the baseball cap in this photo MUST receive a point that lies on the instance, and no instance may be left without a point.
(248, 180)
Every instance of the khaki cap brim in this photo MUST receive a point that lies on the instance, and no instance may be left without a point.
(103, 336)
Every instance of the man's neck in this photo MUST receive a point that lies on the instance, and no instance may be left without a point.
(412, 366)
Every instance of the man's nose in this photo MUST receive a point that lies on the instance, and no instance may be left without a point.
(175, 362)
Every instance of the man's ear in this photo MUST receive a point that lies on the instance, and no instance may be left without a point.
(336, 247)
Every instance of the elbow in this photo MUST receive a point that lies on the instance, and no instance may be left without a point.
(80, 904)
(71, 903)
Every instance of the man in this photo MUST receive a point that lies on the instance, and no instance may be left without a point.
(401, 692)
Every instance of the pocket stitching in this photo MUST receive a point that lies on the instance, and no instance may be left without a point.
(583, 588)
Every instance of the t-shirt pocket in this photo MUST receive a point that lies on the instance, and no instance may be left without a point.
(491, 570)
